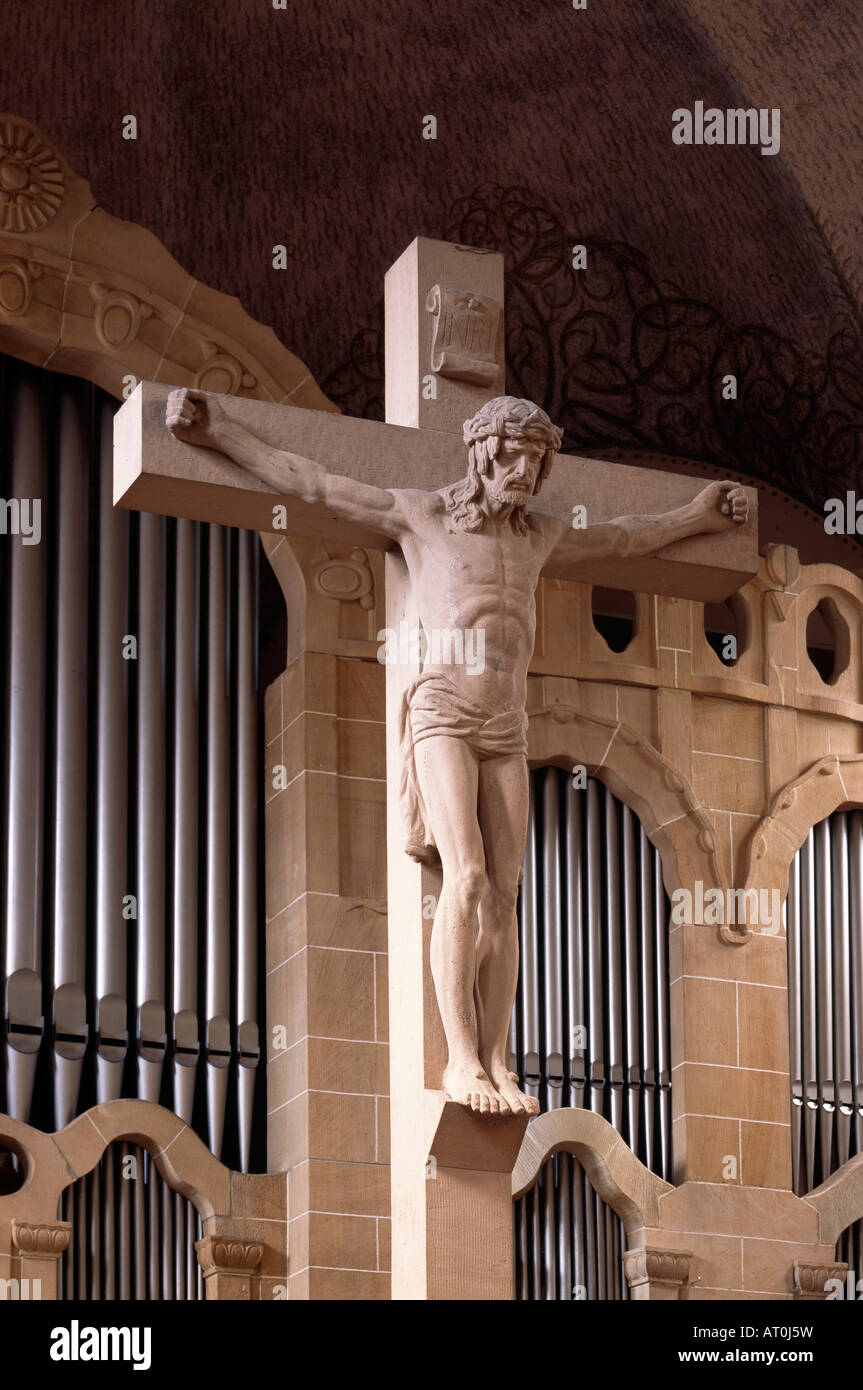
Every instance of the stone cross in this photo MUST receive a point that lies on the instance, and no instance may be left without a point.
(454, 1139)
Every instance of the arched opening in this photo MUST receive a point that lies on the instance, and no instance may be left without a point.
(13, 1170)
(726, 628)
(824, 918)
(614, 616)
(590, 1027)
(828, 641)
(133, 1237)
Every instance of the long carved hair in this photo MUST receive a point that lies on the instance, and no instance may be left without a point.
(504, 417)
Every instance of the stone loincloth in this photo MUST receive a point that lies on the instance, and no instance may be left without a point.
(433, 705)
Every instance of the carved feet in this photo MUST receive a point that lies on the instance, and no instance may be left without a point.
(468, 1084)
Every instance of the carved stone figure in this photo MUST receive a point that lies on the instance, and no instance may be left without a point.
(474, 554)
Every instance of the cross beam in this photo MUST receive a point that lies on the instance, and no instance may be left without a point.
(154, 472)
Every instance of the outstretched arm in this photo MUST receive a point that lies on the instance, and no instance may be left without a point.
(196, 418)
(718, 507)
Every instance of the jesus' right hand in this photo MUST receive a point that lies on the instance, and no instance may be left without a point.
(194, 417)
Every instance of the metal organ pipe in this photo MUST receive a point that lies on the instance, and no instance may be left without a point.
(150, 828)
(600, 944)
(98, 848)
(246, 839)
(25, 742)
(110, 756)
(552, 939)
(216, 800)
(184, 870)
(70, 758)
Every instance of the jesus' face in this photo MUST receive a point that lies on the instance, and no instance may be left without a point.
(512, 476)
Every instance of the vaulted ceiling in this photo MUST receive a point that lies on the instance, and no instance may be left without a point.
(303, 126)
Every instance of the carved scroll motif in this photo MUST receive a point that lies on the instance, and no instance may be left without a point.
(464, 336)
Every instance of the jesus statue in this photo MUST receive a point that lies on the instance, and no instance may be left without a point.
(474, 553)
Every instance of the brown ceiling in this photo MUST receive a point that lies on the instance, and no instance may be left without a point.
(302, 126)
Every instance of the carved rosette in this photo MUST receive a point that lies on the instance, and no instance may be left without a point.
(31, 180)
(810, 1280)
(665, 1272)
(227, 1255)
(43, 1241)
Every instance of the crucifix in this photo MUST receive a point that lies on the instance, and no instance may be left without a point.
(467, 541)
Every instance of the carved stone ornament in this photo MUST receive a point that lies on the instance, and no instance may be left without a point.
(16, 280)
(464, 336)
(350, 581)
(669, 1268)
(810, 1280)
(31, 180)
(225, 1255)
(44, 1241)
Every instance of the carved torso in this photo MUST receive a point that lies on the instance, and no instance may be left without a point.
(477, 592)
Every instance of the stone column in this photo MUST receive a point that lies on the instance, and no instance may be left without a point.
(327, 1078)
(228, 1266)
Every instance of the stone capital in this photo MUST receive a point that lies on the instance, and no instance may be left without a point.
(657, 1274)
(44, 1241)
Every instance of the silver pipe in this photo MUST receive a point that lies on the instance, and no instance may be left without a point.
(154, 1241)
(808, 969)
(528, 981)
(152, 1039)
(217, 917)
(123, 1189)
(552, 938)
(549, 1233)
(596, 1070)
(184, 924)
(140, 1220)
(94, 1183)
(856, 898)
(841, 982)
(824, 1016)
(70, 759)
(536, 1237)
(109, 1200)
(599, 1236)
(663, 1045)
(179, 1251)
(25, 750)
(577, 1017)
(614, 982)
(564, 1226)
(792, 916)
(245, 845)
(82, 1227)
(578, 1229)
(824, 963)
(111, 752)
(630, 848)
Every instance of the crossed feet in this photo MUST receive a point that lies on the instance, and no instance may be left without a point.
(470, 1085)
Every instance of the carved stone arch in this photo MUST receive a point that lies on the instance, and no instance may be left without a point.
(637, 773)
(828, 785)
(621, 1179)
(53, 1161)
(88, 294)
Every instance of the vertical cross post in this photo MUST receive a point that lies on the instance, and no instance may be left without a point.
(451, 1192)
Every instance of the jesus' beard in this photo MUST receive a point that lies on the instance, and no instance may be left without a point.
(509, 497)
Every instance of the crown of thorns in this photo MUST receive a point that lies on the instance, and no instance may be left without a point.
(512, 418)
